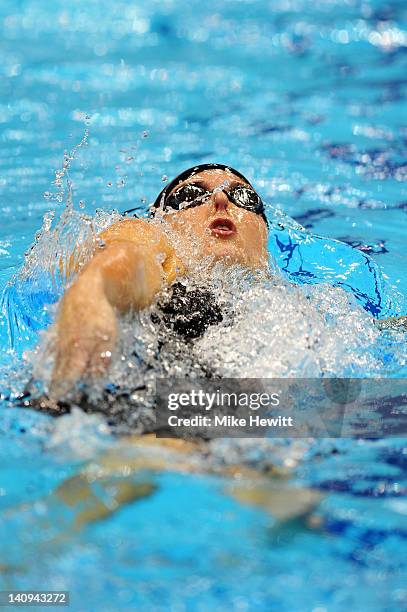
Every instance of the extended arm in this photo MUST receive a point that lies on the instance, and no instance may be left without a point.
(126, 273)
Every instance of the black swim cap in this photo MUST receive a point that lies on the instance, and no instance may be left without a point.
(186, 174)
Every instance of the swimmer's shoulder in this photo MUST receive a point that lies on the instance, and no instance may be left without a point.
(143, 233)
(134, 230)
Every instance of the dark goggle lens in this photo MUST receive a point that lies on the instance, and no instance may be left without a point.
(186, 196)
(247, 198)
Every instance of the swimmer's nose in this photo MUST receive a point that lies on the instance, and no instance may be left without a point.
(220, 201)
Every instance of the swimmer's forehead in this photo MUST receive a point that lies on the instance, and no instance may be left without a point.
(212, 179)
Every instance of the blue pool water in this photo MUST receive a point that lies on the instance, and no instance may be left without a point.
(100, 102)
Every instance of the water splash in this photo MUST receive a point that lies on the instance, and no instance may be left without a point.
(62, 180)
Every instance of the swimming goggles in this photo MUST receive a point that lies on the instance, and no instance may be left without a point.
(193, 194)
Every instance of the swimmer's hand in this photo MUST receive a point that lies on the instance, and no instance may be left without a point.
(122, 276)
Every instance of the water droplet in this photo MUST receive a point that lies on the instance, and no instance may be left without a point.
(81, 204)
(164, 178)
(146, 134)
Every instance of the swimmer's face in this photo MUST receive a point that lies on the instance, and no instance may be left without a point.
(218, 228)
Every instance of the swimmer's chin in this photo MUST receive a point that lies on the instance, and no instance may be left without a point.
(207, 261)
(225, 250)
(209, 251)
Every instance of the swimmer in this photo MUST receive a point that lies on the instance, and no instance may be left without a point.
(213, 214)
(209, 213)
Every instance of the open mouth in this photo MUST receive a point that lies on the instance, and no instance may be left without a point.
(222, 227)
